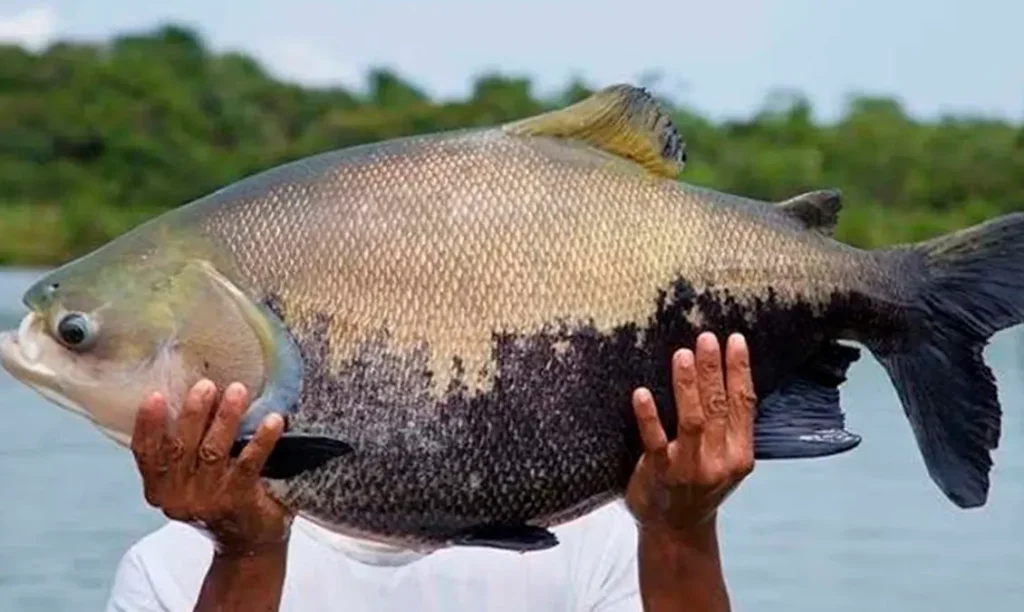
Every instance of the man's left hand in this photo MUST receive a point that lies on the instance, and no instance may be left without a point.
(678, 486)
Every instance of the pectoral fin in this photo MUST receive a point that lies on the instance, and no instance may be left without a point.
(296, 453)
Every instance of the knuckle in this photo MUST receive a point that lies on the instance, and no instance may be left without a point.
(718, 403)
(141, 450)
(741, 360)
(685, 381)
(150, 468)
(743, 365)
(687, 375)
(210, 454)
(708, 368)
(176, 449)
(692, 423)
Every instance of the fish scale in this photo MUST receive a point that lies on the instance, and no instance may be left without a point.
(453, 324)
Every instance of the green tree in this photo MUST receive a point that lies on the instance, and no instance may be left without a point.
(95, 138)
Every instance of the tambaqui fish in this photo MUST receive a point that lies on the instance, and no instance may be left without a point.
(453, 323)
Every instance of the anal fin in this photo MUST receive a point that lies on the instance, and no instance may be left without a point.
(803, 418)
(296, 453)
(520, 538)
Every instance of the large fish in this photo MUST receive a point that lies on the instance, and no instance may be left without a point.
(453, 324)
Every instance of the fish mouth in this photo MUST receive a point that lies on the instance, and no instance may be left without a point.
(19, 355)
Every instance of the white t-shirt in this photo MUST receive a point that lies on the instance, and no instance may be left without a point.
(593, 569)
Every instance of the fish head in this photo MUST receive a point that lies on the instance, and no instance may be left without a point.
(105, 331)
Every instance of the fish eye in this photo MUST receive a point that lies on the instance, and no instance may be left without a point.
(74, 330)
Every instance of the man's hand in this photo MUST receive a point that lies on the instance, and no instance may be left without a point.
(187, 472)
(679, 485)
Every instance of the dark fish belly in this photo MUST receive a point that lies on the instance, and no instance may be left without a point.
(553, 436)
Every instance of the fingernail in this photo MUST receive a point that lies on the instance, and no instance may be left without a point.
(686, 358)
(739, 340)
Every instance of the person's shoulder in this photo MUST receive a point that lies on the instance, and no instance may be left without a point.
(161, 570)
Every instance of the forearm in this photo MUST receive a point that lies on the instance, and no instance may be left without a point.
(682, 572)
(250, 583)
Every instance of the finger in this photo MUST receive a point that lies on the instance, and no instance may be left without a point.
(689, 413)
(147, 445)
(253, 457)
(213, 452)
(652, 434)
(195, 414)
(742, 405)
(711, 385)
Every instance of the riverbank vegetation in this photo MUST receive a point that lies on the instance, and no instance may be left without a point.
(95, 138)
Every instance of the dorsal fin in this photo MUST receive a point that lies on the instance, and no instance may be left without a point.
(817, 210)
(622, 120)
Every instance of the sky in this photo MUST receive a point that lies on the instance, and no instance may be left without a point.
(722, 57)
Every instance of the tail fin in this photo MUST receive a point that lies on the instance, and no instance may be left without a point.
(972, 287)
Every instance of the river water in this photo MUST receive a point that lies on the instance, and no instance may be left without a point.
(862, 531)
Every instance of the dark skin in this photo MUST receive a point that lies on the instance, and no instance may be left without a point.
(678, 486)
(675, 491)
(189, 475)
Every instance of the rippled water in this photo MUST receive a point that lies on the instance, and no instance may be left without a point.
(862, 531)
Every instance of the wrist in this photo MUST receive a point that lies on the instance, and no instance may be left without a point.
(234, 539)
(242, 550)
(250, 579)
(699, 536)
(681, 568)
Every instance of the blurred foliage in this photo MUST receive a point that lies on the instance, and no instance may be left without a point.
(96, 138)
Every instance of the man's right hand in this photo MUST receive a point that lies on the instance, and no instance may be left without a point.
(187, 471)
